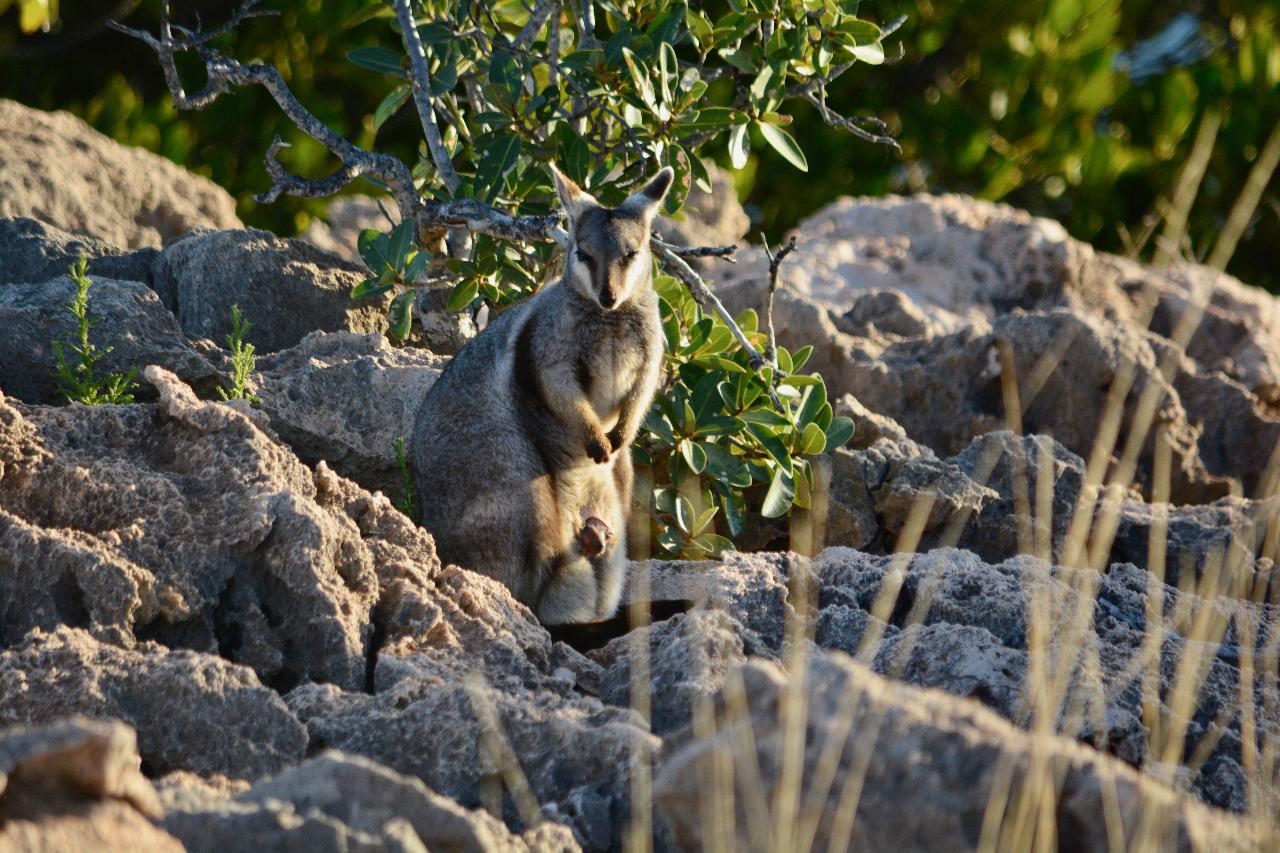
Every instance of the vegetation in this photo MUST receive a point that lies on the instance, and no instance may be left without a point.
(406, 504)
(77, 377)
(242, 359)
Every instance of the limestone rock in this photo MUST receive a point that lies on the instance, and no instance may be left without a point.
(192, 711)
(55, 168)
(345, 398)
(32, 251)
(927, 766)
(285, 288)
(74, 784)
(133, 323)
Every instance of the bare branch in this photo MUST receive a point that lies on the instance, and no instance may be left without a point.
(586, 18)
(483, 219)
(775, 263)
(834, 119)
(285, 182)
(224, 72)
(537, 18)
(421, 82)
(709, 301)
(723, 252)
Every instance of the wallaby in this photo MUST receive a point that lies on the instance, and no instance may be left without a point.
(521, 448)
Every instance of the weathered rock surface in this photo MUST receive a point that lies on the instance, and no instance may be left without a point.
(192, 711)
(137, 328)
(925, 767)
(342, 802)
(55, 168)
(75, 785)
(345, 398)
(285, 288)
(187, 524)
(32, 251)
(713, 218)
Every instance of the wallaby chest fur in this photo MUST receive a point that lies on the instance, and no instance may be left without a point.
(524, 439)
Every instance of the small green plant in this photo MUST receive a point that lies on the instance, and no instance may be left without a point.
(242, 359)
(406, 504)
(77, 377)
(396, 262)
(714, 441)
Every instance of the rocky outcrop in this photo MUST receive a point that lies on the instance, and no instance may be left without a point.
(341, 802)
(193, 711)
(55, 168)
(345, 399)
(132, 323)
(75, 785)
(904, 769)
(286, 289)
(32, 251)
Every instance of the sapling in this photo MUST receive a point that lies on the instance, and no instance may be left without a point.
(77, 375)
(242, 359)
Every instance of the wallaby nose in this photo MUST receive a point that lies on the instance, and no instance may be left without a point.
(607, 299)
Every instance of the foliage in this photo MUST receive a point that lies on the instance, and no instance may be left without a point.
(78, 379)
(33, 15)
(715, 445)
(397, 263)
(406, 504)
(662, 84)
(242, 359)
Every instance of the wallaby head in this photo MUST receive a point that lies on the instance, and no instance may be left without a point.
(608, 255)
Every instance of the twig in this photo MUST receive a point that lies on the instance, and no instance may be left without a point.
(480, 217)
(722, 252)
(775, 262)
(224, 72)
(708, 300)
(537, 18)
(834, 119)
(421, 83)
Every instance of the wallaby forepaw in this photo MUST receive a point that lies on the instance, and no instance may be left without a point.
(615, 440)
(593, 537)
(598, 449)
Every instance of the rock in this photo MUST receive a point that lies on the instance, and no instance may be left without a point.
(185, 523)
(364, 799)
(927, 766)
(689, 655)
(74, 785)
(574, 752)
(713, 218)
(192, 711)
(55, 168)
(137, 328)
(344, 219)
(286, 289)
(32, 251)
(345, 398)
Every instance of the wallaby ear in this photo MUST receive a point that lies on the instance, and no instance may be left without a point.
(648, 197)
(573, 198)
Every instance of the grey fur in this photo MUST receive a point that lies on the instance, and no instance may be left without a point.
(526, 433)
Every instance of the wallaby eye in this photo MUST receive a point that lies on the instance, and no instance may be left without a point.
(585, 258)
(631, 256)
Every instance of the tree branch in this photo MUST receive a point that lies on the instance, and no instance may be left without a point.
(775, 263)
(421, 83)
(481, 218)
(709, 301)
(224, 72)
(537, 18)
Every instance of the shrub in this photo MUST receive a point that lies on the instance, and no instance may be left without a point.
(77, 378)
(242, 359)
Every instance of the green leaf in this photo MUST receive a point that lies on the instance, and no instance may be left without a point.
(400, 316)
(684, 514)
(784, 144)
(499, 158)
(739, 146)
(678, 160)
(839, 433)
(377, 59)
(375, 248)
(416, 266)
(370, 288)
(767, 417)
(872, 54)
(813, 441)
(815, 396)
(640, 76)
(463, 293)
(392, 102)
(760, 86)
(772, 445)
(713, 544)
(777, 501)
(400, 243)
(434, 33)
(735, 512)
(694, 455)
(668, 68)
(726, 467)
(704, 518)
(800, 357)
